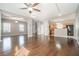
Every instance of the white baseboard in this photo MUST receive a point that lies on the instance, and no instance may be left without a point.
(66, 36)
(30, 35)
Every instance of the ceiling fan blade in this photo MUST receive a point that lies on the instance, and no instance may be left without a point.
(35, 4)
(36, 9)
(23, 8)
(26, 4)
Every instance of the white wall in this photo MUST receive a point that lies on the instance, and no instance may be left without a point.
(34, 27)
(77, 29)
(60, 32)
(43, 28)
(29, 28)
(77, 25)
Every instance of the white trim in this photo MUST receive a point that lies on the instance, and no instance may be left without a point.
(66, 36)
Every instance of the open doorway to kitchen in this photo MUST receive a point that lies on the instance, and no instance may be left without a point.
(62, 29)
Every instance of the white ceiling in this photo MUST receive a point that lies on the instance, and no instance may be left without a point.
(48, 11)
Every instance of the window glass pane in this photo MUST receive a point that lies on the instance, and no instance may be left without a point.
(21, 27)
(6, 27)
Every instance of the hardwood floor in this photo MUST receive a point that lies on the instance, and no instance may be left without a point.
(38, 46)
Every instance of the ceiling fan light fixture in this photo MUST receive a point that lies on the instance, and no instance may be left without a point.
(30, 9)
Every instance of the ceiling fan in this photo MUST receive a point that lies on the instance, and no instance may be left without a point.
(31, 7)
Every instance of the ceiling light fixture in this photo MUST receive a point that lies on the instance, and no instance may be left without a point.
(16, 21)
(30, 9)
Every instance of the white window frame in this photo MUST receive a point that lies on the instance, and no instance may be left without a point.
(6, 27)
(21, 28)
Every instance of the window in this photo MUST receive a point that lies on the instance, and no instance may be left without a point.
(6, 27)
(21, 27)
